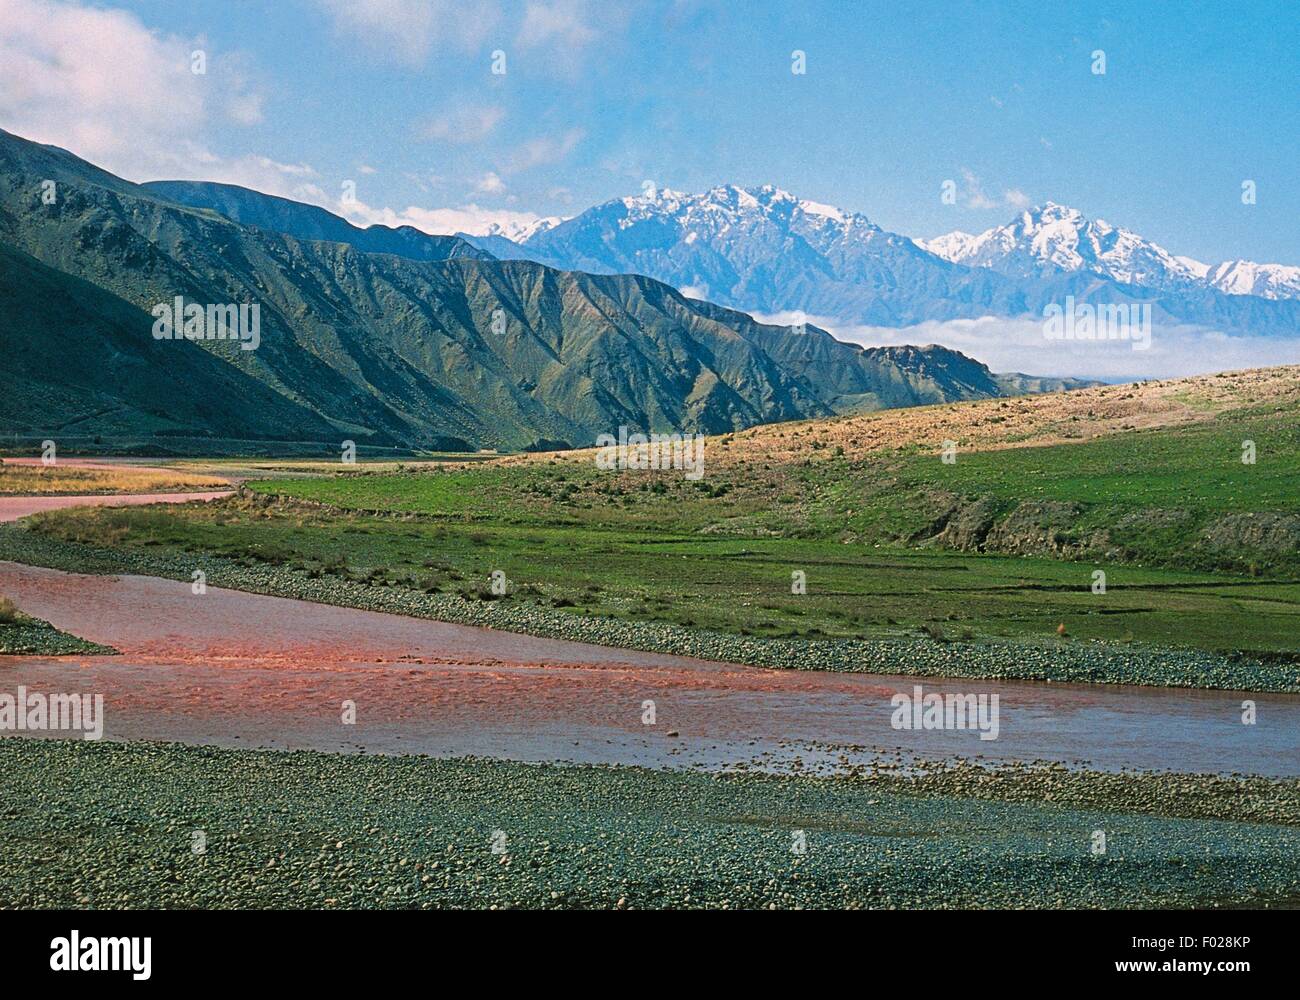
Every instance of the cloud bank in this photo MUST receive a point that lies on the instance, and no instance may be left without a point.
(1018, 345)
(101, 84)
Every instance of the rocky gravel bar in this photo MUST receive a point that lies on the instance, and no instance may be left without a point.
(32, 637)
(126, 825)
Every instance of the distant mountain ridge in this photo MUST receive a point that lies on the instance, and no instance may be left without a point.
(1057, 237)
(385, 347)
(517, 232)
(764, 249)
(308, 222)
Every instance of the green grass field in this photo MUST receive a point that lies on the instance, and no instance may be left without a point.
(723, 553)
(742, 586)
(1154, 491)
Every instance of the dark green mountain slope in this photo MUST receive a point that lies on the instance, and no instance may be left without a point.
(852, 379)
(384, 349)
(76, 365)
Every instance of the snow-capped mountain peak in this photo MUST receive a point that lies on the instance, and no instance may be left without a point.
(519, 231)
(766, 249)
(728, 208)
(955, 246)
(1244, 277)
(1057, 237)
(1050, 212)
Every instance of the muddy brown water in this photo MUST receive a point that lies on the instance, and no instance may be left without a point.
(244, 670)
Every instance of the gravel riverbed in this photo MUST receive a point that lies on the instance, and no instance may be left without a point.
(108, 825)
(33, 637)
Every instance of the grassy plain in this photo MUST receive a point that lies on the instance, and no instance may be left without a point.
(1200, 550)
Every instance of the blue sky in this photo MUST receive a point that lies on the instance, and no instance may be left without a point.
(398, 96)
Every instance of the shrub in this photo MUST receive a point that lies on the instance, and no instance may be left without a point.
(934, 632)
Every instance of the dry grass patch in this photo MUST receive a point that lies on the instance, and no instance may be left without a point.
(25, 479)
(993, 424)
(9, 613)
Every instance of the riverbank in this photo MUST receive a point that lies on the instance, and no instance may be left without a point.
(1042, 660)
(103, 825)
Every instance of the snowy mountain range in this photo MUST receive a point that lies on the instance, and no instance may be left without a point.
(765, 250)
(388, 336)
(517, 232)
(1054, 237)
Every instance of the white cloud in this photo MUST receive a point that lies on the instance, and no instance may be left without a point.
(462, 124)
(410, 29)
(565, 32)
(490, 183)
(559, 23)
(288, 180)
(94, 78)
(973, 191)
(1019, 345)
(541, 151)
(99, 83)
(231, 74)
(973, 196)
(471, 218)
